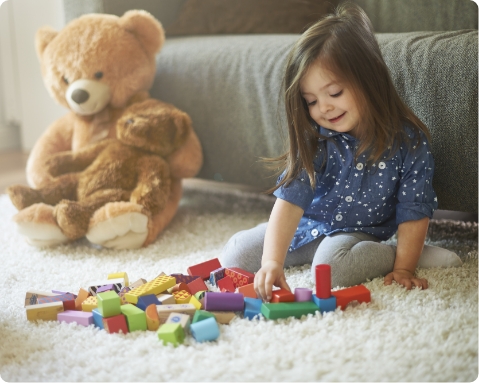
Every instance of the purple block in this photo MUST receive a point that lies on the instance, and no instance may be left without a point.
(182, 278)
(224, 301)
(302, 294)
(63, 293)
(102, 289)
(81, 317)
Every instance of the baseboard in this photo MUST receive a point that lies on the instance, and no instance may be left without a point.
(9, 139)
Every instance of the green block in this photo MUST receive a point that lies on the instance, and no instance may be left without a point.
(109, 304)
(201, 314)
(171, 333)
(288, 309)
(135, 317)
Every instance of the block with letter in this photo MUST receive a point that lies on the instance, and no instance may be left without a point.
(358, 293)
(155, 286)
(205, 268)
(184, 320)
(164, 311)
(239, 276)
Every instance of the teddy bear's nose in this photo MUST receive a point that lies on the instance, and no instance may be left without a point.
(80, 96)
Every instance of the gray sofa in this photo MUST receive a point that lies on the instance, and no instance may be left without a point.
(230, 86)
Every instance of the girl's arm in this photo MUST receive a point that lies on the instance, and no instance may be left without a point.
(410, 242)
(282, 225)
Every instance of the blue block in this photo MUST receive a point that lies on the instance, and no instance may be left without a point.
(146, 300)
(205, 330)
(325, 305)
(216, 275)
(97, 319)
(252, 307)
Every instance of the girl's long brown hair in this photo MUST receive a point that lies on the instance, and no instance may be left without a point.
(343, 43)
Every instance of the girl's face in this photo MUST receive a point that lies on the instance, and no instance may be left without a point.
(330, 102)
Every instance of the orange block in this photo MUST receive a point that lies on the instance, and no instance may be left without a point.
(178, 287)
(152, 318)
(248, 291)
(282, 295)
(182, 296)
(82, 295)
(358, 293)
(239, 276)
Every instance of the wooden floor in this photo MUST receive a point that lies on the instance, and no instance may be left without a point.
(13, 163)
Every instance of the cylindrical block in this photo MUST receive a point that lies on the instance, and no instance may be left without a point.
(224, 301)
(205, 330)
(323, 281)
(302, 294)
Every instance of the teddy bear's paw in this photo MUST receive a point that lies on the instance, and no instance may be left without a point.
(119, 225)
(38, 226)
(23, 196)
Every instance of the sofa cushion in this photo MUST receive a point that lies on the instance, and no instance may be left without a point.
(206, 17)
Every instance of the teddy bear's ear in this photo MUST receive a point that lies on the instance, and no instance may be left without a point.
(146, 28)
(43, 37)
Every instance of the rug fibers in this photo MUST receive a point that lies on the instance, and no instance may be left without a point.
(429, 335)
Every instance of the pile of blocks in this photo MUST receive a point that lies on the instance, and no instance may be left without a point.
(177, 304)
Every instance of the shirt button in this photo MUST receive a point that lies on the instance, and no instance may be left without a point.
(382, 165)
(349, 198)
(359, 166)
(314, 232)
(339, 217)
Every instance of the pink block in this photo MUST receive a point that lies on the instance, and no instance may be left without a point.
(80, 317)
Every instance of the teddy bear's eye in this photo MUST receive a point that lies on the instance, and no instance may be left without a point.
(129, 121)
(65, 80)
(98, 75)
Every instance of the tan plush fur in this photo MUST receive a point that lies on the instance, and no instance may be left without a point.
(118, 55)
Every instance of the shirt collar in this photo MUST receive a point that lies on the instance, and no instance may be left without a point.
(332, 133)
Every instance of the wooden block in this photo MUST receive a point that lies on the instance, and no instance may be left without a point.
(248, 291)
(226, 284)
(152, 318)
(67, 299)
(224, 317)
(89, 304)
(325, 305)
(135, 318)
(171, 333)
(358, 293)
(205, 268)
(223, 301)
(166, 299)
(117, 283)
(155, 286)
(323, 281)
(206, 330)
(282, 295)
(197, 285)
(252, 308)
(178, 287)
(79, 317)
(239, 276)
(137, 283)
(31, 297)
(81, 297)
(184, 320)
(182, 296)
(195, 302)
(122, 293)
(45, 311)
(182, 278)
(108, 303)
(216, 275)
(288, 309)
(146, 300)
(122, 274)
(115, 324)
(164, 311)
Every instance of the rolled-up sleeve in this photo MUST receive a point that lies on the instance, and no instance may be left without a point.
(298, 192)
(416, 196)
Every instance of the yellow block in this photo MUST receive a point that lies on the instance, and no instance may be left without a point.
(89, 304)
(152, 318)
(44, 311)
(122, 274)
(181, 296)
(155, 286)
(195, 302)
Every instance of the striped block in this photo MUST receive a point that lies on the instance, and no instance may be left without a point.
(67, 299)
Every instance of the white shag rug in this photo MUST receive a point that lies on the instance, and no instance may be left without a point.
(401, 335)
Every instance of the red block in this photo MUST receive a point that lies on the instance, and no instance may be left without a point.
(205, 268)
(116, 323)
(239, 276)
(67, 299)
(226, 284)
(178, 287)
(248, 291)
(282, 295)
(323, 281)
(358, 293)
(197, 285)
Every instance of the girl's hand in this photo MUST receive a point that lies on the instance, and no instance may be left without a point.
(405, 278)
(271, 273)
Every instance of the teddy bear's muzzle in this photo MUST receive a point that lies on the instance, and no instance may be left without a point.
(87, 97)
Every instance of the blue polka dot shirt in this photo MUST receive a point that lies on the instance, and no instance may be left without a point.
(353, 197)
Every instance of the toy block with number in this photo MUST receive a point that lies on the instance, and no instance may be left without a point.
(239, 276)
(201, 315)
(45, 311)
(248, 291)
(182, 296)
(115, 324)
(171, 333)
(108, 303)
(164, 311)
(216, 275)
(122, 274)
(155, 286)
(117, 283)
(89, 304)
(68, 300)
(146, 300)
(195, 302)
(288, 309)
(282, 295)
(135, 318)
(325, 305)
(358, 293)
(152, 318)
(223, 317)
(182, 278)
(226, 284)
(97, 319)
(178, 287)
(31, 297)
(183, 320)
(224, 301)
(205, 331)
(166, 299)
(80, 317)
(205, 268)
(197, 285)
(81, 297)
(252, 308)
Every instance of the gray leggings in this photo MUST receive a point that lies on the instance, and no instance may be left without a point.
(354, 257)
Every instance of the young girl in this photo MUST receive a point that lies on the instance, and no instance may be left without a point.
(359, 168)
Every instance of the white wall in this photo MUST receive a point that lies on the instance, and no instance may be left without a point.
(31, 104)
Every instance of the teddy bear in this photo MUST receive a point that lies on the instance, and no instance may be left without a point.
(97, 66)
(129, 168)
